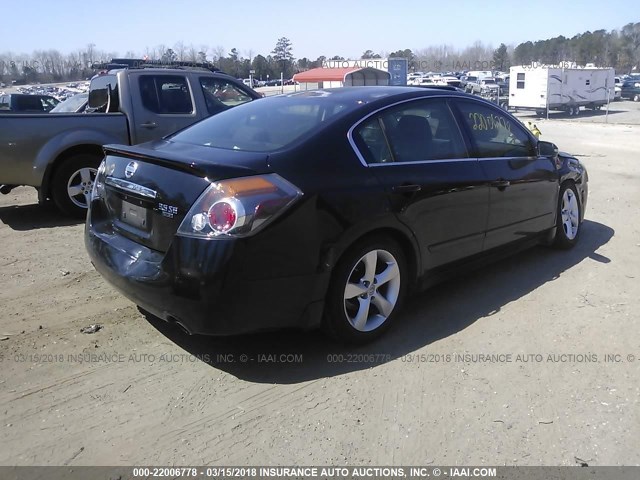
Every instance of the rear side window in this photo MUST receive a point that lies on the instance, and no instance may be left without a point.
(372, 141)
(415, 131)
(495, 134)
(221, 94)
(165, 94)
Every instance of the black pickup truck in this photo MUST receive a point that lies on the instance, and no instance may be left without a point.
(59, 154)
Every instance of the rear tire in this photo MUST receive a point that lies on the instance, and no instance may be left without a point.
(72, 184)
(636, 98)
(568, 217)
(367, 289)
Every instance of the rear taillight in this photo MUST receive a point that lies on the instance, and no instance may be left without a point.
(239, 207)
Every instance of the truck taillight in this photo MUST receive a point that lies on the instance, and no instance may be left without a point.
(239, 207)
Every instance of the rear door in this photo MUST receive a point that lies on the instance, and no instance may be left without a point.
(417, 152)
(162, 103)
(523, 188)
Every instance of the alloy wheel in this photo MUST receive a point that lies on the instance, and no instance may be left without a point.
(372, 290)
(80, 185)
(570, 214)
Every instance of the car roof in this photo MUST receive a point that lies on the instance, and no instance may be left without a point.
(372, 93)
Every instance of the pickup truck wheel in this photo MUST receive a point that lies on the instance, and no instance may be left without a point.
(73, 182)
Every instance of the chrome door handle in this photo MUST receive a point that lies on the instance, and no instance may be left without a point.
(149, 125)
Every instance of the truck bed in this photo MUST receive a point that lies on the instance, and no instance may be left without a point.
(28, 142)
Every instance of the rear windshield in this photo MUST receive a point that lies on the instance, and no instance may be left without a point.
(34, 103)
(267, 124)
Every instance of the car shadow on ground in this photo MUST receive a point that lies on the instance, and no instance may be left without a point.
(34, 216)
(291, 357)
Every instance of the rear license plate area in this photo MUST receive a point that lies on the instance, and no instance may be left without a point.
(134, 215)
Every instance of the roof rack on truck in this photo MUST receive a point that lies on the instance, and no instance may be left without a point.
(131, 63)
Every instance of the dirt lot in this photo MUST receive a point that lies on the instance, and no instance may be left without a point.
(140, 392)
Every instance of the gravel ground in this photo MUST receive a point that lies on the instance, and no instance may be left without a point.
(140, 392)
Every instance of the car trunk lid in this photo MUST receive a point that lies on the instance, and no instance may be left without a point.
(148, 191)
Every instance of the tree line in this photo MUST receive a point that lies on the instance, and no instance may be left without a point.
(619, 49)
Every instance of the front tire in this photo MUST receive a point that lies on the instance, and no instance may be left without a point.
(72, 184)
(568, 217)
(367, 290)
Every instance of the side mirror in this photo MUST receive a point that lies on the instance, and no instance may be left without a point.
(547, 149)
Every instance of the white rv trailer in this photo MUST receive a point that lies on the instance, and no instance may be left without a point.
(567, 89)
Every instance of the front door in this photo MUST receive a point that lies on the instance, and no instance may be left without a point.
(163, 104)
(523, 187)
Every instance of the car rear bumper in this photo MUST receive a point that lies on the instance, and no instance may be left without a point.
(208, 287)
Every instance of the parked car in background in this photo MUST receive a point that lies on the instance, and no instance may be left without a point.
(126, 105)
(467, 81)
(630, 89)
(617, 89)
(22, 103)
(76, 104)
(451, 80)
(503, 83)
(250, 82)
(485, 86)
(240, 223)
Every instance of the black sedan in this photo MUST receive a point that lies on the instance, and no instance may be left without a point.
(325, 208)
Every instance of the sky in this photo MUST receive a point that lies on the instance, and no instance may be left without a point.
(328, 27)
